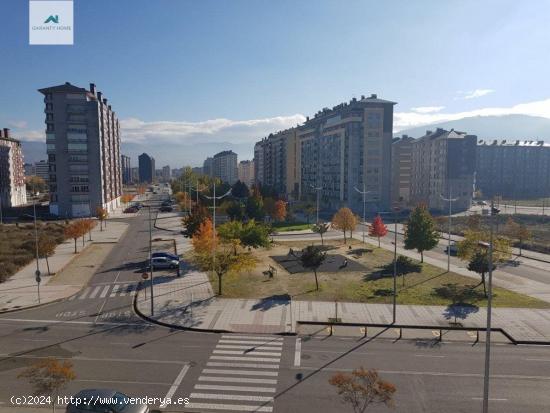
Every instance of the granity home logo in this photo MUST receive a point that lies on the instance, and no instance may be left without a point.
(53, 19)
(51, 22)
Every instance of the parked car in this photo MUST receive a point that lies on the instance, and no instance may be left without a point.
(165, 254)
(166, 209)
(86, 401)
(482, 203)
(164, 262)
(454, 249)
(166, 203)
(138, 205)
(131, 210)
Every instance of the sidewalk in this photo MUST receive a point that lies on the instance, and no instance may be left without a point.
(21, 290)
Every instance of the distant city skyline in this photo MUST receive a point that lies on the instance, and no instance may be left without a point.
(223, 89)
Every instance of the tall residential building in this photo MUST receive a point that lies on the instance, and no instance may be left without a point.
(83, 145)
(344, 148)
(166, 173)
(40, 168)
(513, 170)
(276, 162)
(126, 169)
(134, 173)
(225, 166)
(443, 165)
(197, 170)
(246, 172)
(146, 168)
(401, 167)
(208, 166)
(12, 171)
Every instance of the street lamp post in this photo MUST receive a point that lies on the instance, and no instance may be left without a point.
(2, 216)
(318, 189)
(450, 201)
(364, 193)
(394, 299)
(37, 272)
(151, 258)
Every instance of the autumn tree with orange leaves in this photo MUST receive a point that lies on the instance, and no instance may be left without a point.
(280, 212)
(344, 220)
(75, 230)
(378, 229)
(203, 240)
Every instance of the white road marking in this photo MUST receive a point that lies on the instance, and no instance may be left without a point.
(105, 291)
(490, 399)
(237, 380)
(256, 343)
(429, 355)
(242, 372)
(115, 290)
(83, 295)
(245, 358)
(94, 292)
(297, 351)
(175, 385)
(537, 359)
(238, 407)
(261, 348)
(235, 388)
(215, 396)
(265, 339)
(244, 353)
(106, 323)
(245, 365)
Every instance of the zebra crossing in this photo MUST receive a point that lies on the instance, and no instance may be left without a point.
(240, 375)
(106, 290)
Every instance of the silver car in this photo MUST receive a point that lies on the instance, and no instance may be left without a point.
(104, 401)
(164, 262)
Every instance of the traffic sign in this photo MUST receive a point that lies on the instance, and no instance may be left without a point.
(37, 273)
(145, 275)
(38, 279)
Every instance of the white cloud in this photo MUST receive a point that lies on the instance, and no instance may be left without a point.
(472, 94)
(19, 124)
(428, 109)
(405, 120)
(31, 135)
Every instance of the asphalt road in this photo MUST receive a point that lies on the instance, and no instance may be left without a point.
(111, 347)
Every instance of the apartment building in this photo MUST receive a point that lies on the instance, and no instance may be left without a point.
(443, 166)
(146, 165)
(401, 168)
(126, 169)
(12, 171)
(246, 172)
(344, 148)
(166, 173)
(83, 146)
(275, 162)
(208, 166)
(40, 169)
(224, 166)
(513, 170)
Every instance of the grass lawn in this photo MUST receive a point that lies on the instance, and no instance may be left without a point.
(365, 286)
(17, 245)
(290, 226)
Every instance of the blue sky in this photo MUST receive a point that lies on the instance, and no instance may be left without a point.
(172, 68)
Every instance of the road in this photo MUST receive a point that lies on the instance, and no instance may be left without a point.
(111, 347)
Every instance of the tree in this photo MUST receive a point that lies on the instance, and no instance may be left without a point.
(230, 233)
(240, 190)
(102, 215)
(420, 232)
(280, 210)
(203, 240)
(141, 189)
(35, 184)
(46, 247)
(320, 229)
(235, 211)
(48, 377)
(309, 210)
(362, 388)
(90, 225)
(269, 207)
(312, 257)
(194, 219)
(475, 241)
(125, 198)
(344, 220)
(479, 262)
(404, 265)
(378, 229)
(255, 235)
(517, 231)
(74, 230)
(255, 208)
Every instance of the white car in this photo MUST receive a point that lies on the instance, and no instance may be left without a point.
(164, 262)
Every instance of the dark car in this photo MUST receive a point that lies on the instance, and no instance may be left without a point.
(130, 210)
(166, 209)
(165, 254)
(104, 401)
(166, 203)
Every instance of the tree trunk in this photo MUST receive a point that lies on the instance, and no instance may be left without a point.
(48, 265)
(520, 245)
(219, 284)
(345, 240)
(322, 241)
(421, 256)
(101, 225)
(483, 282)
(316, 280)
(378, 242)
(75, 246)
(83, 239)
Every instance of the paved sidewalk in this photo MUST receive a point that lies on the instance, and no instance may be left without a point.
(21, 291)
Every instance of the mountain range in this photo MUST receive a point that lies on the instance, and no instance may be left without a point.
(509, 127)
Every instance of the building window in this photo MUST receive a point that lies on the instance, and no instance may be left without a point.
(49, 127)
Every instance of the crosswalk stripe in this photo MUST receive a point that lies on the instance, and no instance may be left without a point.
(243, 365)
(235, 388)
(73, 297)
(264, 338)
(95, 291)
(85, 293)
(260, 348)
(241, 372)
(245, 358)
(114, 291)
(237, 380)
(238, 407)
(215, 396)
(104, 292)
(256, 343)
(245, 353)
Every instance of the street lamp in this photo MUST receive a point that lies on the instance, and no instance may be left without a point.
(494, 211)
(364, 193)
(318, 189)
(37, 272)
(214, 198)
(151, 257)
(394, 300)
(450, 201)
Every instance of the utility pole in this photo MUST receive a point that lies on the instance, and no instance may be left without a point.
(364, 193)
(151, 258)
(450, 201)
(394, 298)
(37, 272)
(318, 189)
(2, 216)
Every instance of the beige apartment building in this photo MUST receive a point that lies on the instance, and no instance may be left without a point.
(246, 172)
(401, 167)
(12, 171)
